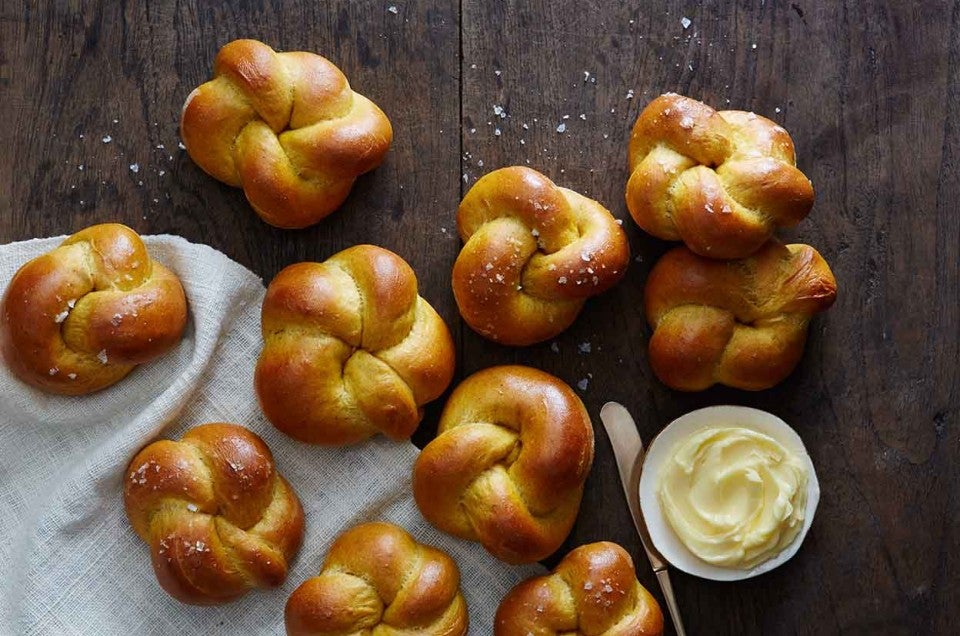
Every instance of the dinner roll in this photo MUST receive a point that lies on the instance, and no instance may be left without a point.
(721, 182)
(533, 254)
(507, 467)
(377, 579)
(350, 349)
(593, 591)
(217, 516)
(742, 323)
(285, 127)
(80, 317)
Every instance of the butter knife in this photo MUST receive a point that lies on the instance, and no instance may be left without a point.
(628, 449)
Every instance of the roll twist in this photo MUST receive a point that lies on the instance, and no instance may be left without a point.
(507, 467)
(350, 349)
(593, 591)
(377, 580)
(285, 127)
(217, 516)
(80, 317)
(742, 323)
(721, 182)
(533, 254)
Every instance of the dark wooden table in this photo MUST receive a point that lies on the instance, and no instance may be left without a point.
(91, 93)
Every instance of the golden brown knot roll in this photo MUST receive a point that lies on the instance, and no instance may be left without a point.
(533, 254)
(80, 317)
(593, 591)
(217, 516)
(350, 349)
(377, 580)
(507, 467)
(721, 182)
(285, 127)
(741, 323)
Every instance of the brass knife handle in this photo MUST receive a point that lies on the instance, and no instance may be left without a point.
(663, 576)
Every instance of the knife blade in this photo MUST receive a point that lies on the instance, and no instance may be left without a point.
(628, 450)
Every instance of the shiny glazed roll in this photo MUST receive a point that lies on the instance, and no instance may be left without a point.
(507, 467)
(377, 579)
(741, 323)
(217, 516)
(721, 182)
(80, 317)
(350, 349)
(285, 127)
(593, 591)
(533, 254)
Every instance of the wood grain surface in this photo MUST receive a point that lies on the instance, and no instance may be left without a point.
(91, 93)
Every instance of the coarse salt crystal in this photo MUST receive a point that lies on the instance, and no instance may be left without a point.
(685, 21)
(561, 128)
(61, 316)
(192, 507)
(53, 371)
(582, 384)
(629, 95)
(488, 266)
(106, 139)
(687, 122)
(554, 347)
(72, 376)
(499, 111)
(102, 356)
(496, 132)
(393, 9)
(134, 168)
(562, 280)
(584, 347)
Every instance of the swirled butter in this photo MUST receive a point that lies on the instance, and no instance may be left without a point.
(734, 496)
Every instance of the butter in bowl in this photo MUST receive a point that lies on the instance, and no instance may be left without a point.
(728, 492)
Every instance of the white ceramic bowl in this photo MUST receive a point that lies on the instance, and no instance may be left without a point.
(661, 451)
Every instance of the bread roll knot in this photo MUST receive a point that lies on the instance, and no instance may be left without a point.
(350, 349)
(742, 323)
(721, 182)
(508, 465)
(285, 127)
(533, 254)
(217, 516)
(378, 579)
(80, 317)
(594, 590)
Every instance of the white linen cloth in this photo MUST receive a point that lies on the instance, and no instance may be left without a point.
(69, 561)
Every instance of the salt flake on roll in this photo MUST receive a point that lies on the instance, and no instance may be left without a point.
(728, 492)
